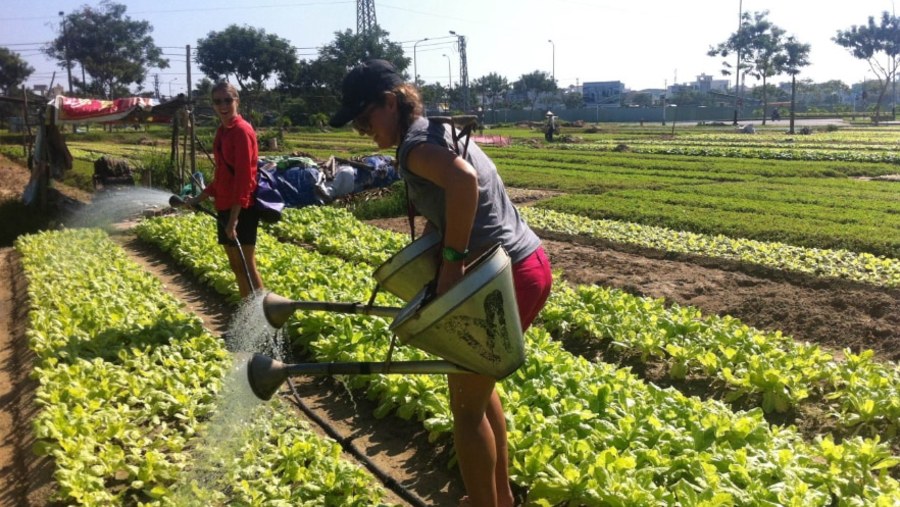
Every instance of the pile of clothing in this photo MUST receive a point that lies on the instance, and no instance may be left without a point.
(353, 176)
(303, 182)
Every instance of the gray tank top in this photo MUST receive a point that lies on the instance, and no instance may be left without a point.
(496, 220)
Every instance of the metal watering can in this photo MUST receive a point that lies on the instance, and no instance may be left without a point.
(474, 327)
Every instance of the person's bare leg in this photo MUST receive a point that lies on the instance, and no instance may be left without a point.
(250, 255)
(237, 266)
(473, 437)
(497, 421)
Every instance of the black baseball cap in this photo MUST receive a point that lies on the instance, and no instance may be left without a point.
(362, 86)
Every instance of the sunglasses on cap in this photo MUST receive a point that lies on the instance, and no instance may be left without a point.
(227, 101)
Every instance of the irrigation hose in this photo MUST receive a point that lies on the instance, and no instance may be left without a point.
(347, 444)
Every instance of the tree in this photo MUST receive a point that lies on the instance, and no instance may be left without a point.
(793, 58)
(431, 94)
(203, 88)
(879, 45)
(113, 49)
(573, 100)
(738, 43)
(318, 81)
(250, 55)
(491, 87)
(533, 85)
(765, 45)
(13, 70)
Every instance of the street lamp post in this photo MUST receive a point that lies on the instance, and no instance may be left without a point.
(737, 68)
(66, 48)
(415, 65)
(674, 112)
(170, 86)
(894, 74)
(554, 59)
(449, 80)
(665, 91)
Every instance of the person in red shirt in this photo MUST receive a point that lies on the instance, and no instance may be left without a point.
(233, 186)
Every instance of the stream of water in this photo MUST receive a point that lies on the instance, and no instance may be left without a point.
(118, 205)
(204, 480)
(250, 331)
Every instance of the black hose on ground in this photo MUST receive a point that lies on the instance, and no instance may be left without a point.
(347, 444)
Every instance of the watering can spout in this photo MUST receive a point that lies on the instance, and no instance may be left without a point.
(265, 376)
(277, 309)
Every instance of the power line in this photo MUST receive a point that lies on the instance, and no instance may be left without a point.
(207, 9)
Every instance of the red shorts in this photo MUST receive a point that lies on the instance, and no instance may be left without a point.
(532, 279)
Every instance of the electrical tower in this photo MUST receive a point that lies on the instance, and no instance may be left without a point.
(463, 72)
(365, 16)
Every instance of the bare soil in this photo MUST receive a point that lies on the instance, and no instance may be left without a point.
(834, 314)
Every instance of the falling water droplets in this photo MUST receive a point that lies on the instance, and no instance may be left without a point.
(250, 331)
(223, 438)
(119, 204)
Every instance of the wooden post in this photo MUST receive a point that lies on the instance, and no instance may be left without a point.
(173, 158)
(190, 106)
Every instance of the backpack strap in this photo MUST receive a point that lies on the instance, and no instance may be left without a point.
(467, 124)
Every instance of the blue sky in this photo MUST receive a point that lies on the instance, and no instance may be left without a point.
(643, 43)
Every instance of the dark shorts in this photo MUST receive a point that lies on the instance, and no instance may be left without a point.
(248, 223)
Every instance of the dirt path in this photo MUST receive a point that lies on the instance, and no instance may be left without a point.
(25, 479)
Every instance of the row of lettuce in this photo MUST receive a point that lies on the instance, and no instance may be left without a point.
(859, 267)
(857, 395)
(580, 432)
(765, 153)
(132, 390)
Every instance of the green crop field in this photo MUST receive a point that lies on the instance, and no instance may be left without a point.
(131, 382)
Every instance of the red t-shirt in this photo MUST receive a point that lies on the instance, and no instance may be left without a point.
(234, 146)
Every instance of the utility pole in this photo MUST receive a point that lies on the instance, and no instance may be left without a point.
(66, 48)
(554, 59)
(190, 111)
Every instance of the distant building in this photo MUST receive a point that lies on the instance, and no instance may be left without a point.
(600, 93)
(675, 89)
(656, 95)
(707, 84)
